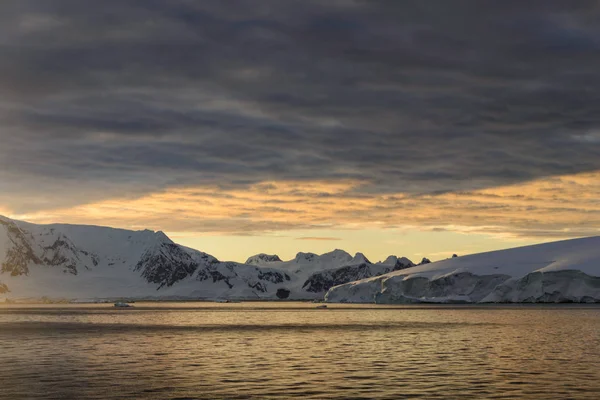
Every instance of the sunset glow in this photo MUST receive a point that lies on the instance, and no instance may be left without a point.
(552, 208)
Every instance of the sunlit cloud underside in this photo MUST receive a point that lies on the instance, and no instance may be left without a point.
(560, 207)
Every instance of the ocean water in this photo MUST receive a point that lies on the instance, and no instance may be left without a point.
(293, 350)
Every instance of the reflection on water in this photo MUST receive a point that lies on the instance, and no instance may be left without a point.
(292, 350)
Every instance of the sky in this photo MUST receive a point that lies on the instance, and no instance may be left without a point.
(413, 128)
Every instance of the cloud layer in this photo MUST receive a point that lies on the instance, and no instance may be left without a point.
(559, 207)
(127, 98)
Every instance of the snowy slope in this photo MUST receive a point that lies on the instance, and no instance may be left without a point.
(91, 262)
(565, 271)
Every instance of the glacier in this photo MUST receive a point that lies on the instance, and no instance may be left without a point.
(559, 272)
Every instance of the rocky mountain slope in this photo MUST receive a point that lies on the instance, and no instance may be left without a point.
(565, 271)
(89, 262)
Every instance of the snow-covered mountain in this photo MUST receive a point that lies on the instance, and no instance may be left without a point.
(565, 271)
(313, 274)
(262, 258)
(90, 262)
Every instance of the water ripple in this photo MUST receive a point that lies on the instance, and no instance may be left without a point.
(265, 351)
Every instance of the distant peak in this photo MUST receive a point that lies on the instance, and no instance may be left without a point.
(338, 254)
(391, 260)
(339, 251)
(404, 260)
(305, 257)
(359, 258)
(262, 258)
(396, 261)
(162, 237)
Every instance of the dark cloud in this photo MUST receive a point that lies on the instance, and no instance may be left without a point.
(125, 97)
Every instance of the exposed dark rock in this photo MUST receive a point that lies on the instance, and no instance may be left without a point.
(215, 275)
(425, 260)
(20, 254)
(207, 259)
(54, 255)
(229, 272)
(282, 293)
(323, 281)
(402, 265)
(259, 286)
(272, 276)
(62, 253)
(166, 264)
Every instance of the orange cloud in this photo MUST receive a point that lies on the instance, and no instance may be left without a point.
(564, 206)
(325, 238)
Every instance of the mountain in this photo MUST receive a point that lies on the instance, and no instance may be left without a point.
(564, 271)
(262, 258)
(88, 262)
(314, 274)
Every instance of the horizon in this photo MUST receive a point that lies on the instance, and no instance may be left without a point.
(285, 257)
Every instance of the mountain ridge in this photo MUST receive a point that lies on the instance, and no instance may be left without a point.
(95, 262)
